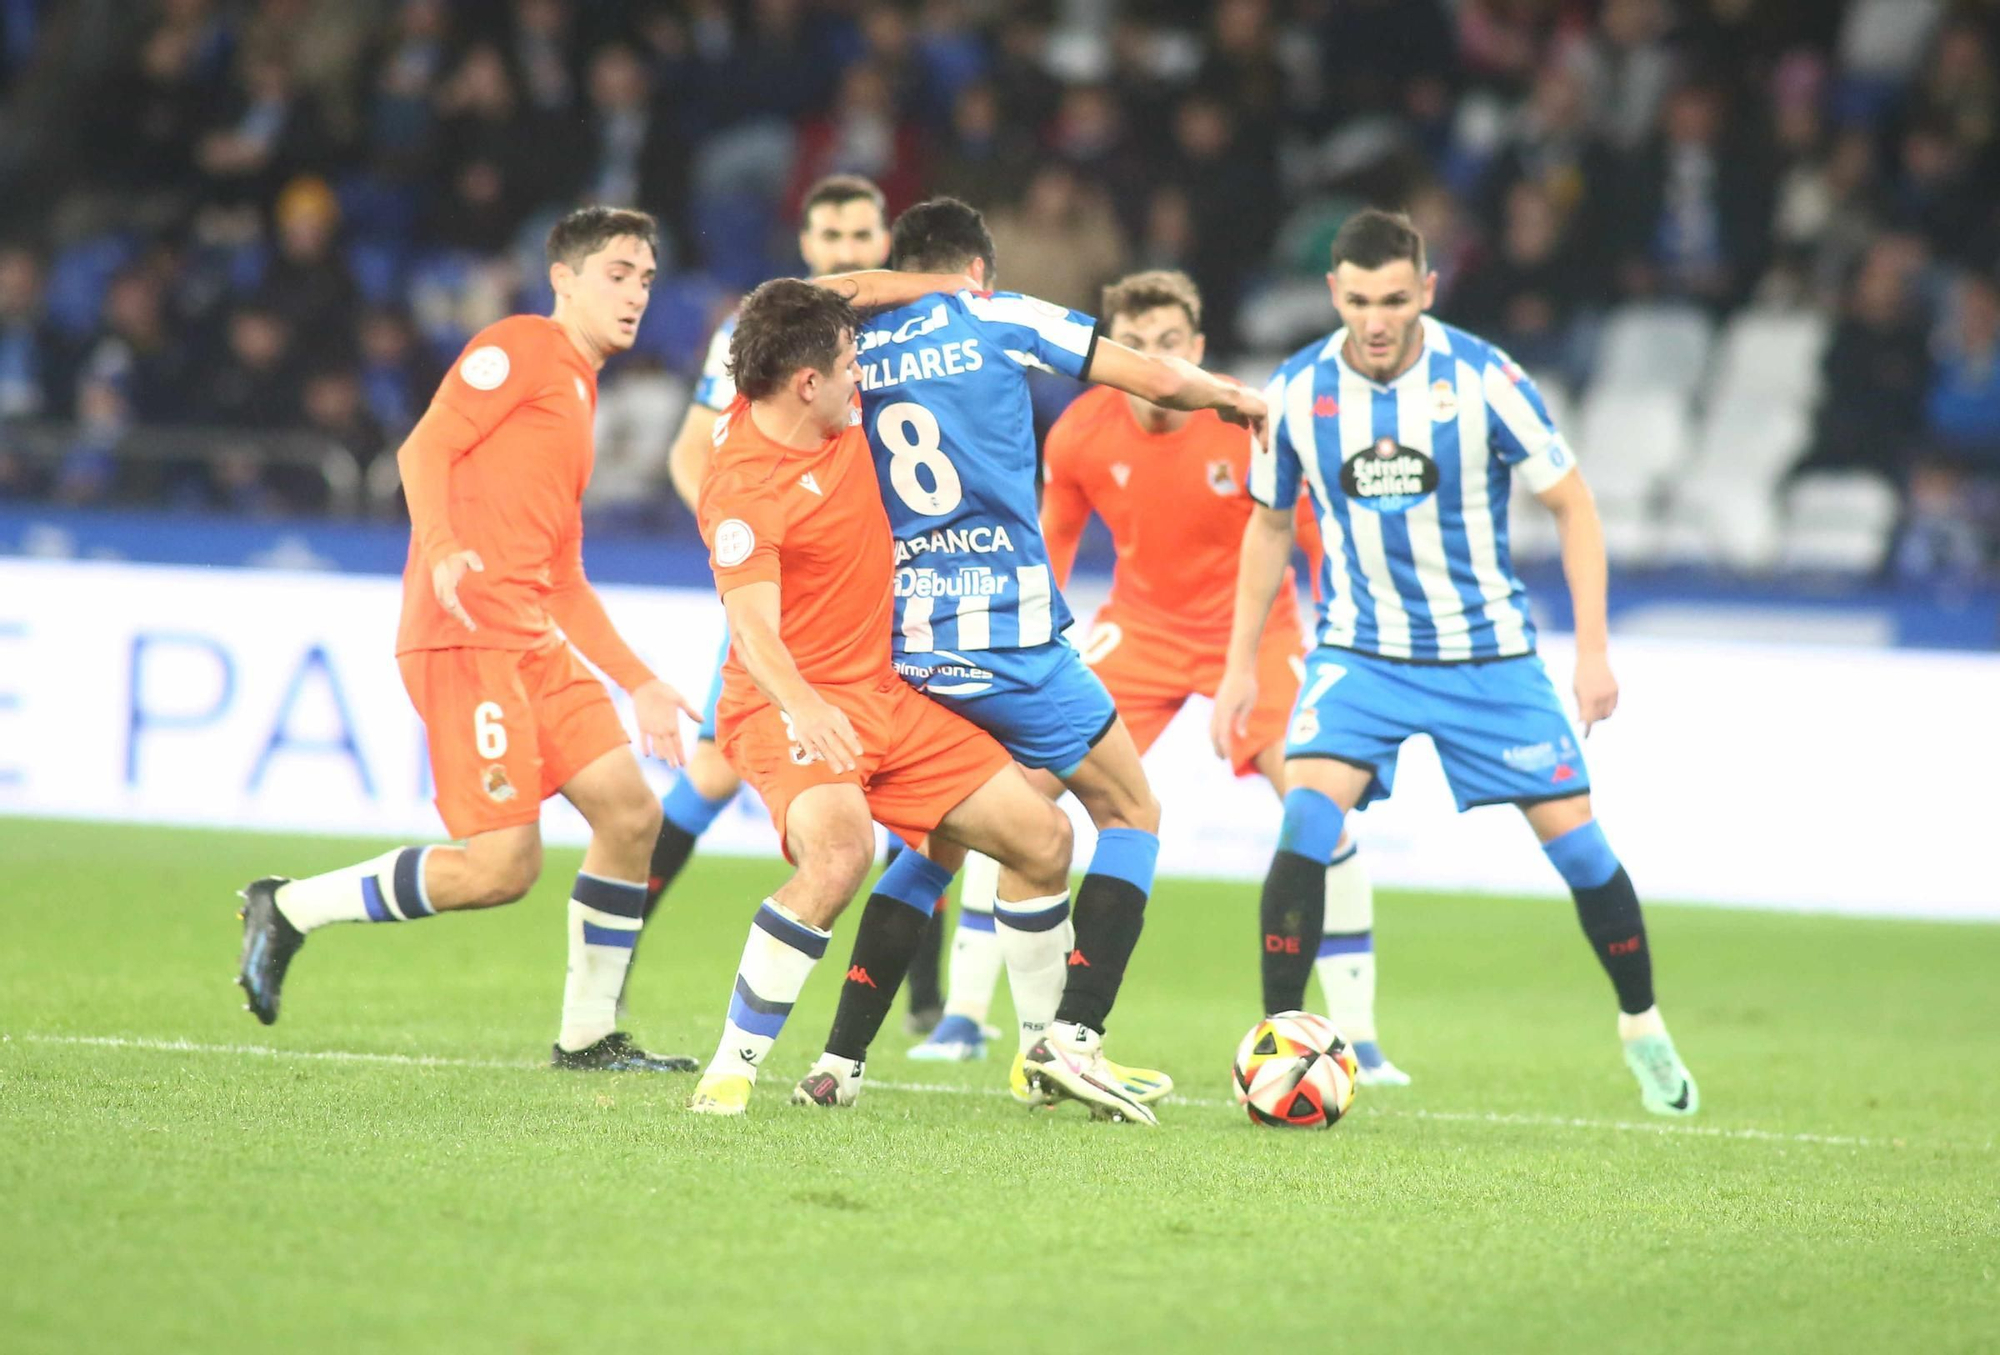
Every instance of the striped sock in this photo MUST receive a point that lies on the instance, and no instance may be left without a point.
(604, 921)
(975, 949)
(777, 958)
(1035, 939)
(389, 888)
(1346, 963)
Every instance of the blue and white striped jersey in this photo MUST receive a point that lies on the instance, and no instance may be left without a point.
(944, 400)
(714, 390)
(1410, 482)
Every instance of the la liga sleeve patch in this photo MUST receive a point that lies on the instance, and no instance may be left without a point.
(733, 542)
(485, 368)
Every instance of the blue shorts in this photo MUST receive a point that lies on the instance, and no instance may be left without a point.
(1499, 727)
(1043, 705)
(707, 730)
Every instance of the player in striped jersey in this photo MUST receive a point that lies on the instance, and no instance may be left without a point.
(842, 229)
(1406, 433)
(979, 622)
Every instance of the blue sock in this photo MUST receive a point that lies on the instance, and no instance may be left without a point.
(1110, 913)
(914, 879)
(685, 815)
(689, 810)
(1582, 856)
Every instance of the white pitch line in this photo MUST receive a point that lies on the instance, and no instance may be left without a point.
(949, 1089)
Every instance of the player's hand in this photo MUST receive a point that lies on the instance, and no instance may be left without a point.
(1235, 699)
(445, 575)
(1596, 690)
(1247, 408)
(659, 707)
(819, 726)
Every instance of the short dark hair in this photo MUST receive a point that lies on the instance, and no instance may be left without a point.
(938, 236)
(1150, 290)
(588, 229)
(1372, 238)
(785, 325)
(837, 190)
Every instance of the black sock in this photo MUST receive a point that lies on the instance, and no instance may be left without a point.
(671, 851)
(1292, 912)
(1108, 915)
(1617, 934)
(889, 933)
(923, 980)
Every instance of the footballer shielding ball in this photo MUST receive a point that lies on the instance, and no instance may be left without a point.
(1294, 1070)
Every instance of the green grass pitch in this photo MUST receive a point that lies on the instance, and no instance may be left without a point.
(389, 1169)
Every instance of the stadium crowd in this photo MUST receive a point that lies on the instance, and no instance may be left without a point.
(287, 214)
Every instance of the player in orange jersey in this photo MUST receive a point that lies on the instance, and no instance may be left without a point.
(813, 714)
(494, 598)
(1174, 490)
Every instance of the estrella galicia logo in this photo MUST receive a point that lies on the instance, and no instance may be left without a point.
(1389, 477)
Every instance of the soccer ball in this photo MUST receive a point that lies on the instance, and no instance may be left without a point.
(1295, 1069)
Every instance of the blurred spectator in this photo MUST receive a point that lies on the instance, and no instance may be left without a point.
(1630, 67)
(1232, 207)
(407, 66)
(1941, 196)
(151, 366)
(33, 369)
(308, 284)
(1551, 145)
(1060, 242)
(1962, 410)
(268, 128)
(88, 473)
(862, 134)
(1694, 215)
(1877, 370)
(983, 160)
(335, 407)
(252, 383)
(1525, 295)
(396, 381)
(636, 419)
(634, 158)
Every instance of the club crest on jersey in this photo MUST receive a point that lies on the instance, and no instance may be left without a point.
(493, 780)
(1121, 472)
(1444, 401)
(1222, 479)
(1388, 477)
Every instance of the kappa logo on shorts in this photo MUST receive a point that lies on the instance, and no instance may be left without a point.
(495, 783)
(485, 368)
(1305, 726)
(733, 542)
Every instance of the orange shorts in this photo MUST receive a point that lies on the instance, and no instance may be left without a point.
(507, 729)
(1151, 671)
(918, 760)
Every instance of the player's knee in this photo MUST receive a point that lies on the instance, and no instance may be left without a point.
(1136, 807)
(836, 866)
(507, 877)
(1045, 853)
(711, 773)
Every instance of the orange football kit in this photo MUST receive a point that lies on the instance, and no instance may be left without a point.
(1176, 504)
(501, 460)
(812, 522)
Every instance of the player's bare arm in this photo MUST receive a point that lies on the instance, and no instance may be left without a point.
(1175, 383)
(816, 723)
(687, 463)
(880, 288)
(1582, 536)
(1260, 572)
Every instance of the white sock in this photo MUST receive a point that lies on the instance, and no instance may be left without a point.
(1037, 956)
(777, 958)
(975, 950)
(389, 888)
(1636, 1025)
(604, 921)
(1346, 964)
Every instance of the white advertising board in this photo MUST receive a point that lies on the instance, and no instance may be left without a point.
(1840, 779)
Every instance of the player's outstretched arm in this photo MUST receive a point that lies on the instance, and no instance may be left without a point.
(1174, 383)
(1582, 536)
(656, 704)
(1260, 572)
(1065, 506)
(874, 289)
(687, 463)
(813, 722)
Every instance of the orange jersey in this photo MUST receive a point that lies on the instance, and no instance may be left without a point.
(498, 466)
(1176, 504)
(811, 522)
